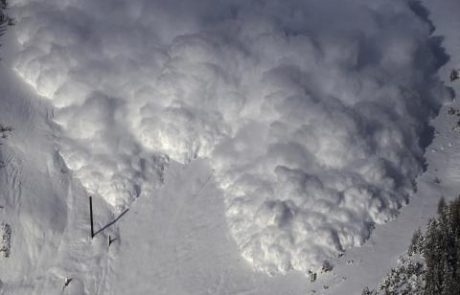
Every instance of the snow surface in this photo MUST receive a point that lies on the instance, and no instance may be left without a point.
(182, 234)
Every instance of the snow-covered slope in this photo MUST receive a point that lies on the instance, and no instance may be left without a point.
(189, 223)
(47, 214)
(368, 265)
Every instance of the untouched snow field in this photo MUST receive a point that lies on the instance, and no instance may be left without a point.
(222, 196)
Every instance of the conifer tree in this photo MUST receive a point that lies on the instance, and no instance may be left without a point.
(441, 250)
(416, 243)
(441, 205)
(432, 255)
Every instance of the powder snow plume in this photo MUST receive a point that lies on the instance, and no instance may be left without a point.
(312, 114)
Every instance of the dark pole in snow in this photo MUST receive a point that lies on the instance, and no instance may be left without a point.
(91, 215)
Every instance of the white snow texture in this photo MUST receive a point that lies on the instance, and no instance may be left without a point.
(312, 114)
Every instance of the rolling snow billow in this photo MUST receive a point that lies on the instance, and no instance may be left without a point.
(245, 147)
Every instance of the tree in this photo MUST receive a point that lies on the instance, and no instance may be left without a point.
(441, 205)
(441, 250)
(432, 255)
(416, 244)
(439, 272)
(366, 291)
(5, 20)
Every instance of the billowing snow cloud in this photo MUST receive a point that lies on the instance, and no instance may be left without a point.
(311, 113)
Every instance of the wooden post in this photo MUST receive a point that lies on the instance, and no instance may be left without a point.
(91, 215)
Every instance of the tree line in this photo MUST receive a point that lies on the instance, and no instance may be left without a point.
(432, 263)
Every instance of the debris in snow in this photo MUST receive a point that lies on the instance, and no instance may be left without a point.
(312, 276)
(5, 131)
(451, 111)
(5, 239)
(457, 126)
(327, 267)
(67, 282)
(112, 239)
(454, 75)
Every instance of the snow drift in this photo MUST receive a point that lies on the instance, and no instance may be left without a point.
(312, 113)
